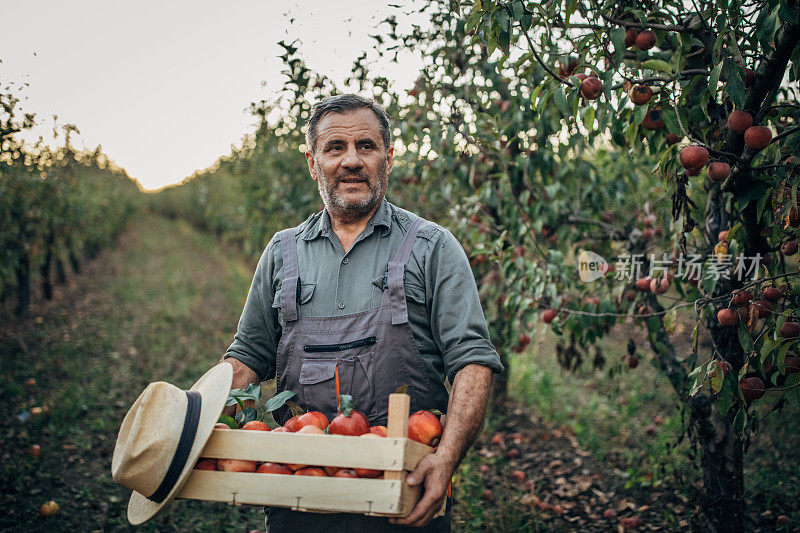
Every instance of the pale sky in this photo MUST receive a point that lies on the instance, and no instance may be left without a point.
(164, 86)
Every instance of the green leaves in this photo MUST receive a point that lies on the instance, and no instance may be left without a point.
(735, 86)
(346, 404)
(696, 378)
(228, 421)
(560, 99)
(713, 79)
(618, 40)
(251, 392)
(659, 65)
(278, 401)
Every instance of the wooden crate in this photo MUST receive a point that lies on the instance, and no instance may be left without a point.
(389, 496)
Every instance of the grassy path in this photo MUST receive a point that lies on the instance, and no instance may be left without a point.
(162, 305)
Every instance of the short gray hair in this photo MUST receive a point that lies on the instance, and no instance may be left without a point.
(345, 103)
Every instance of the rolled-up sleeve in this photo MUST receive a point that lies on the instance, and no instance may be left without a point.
(457, 322)
(256, 340)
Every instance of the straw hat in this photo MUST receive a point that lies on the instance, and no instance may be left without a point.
(162, 436)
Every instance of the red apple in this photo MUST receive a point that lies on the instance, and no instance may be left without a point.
(591, 88)
(312, 429)
(693, 158)
(752, 388)
(314, 418)
(293, 424)
(349, 421)
(346, 472)
(790, 330)
(236, 465)
(772, 294)
(273, 468)
(727, 317)
(643, 284)
(548, 315)
(206, 464)
(645, 40)
(653, 119)
(424, 427)
(673, 139)
(630, 37)
(381, 431)
(764, 308)
(311, 471)
(757, 137)
(255, 425)
(739, 121)
(789, 248)
(718, 170)
(640, 94)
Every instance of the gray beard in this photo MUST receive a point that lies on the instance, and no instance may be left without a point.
(348, 211)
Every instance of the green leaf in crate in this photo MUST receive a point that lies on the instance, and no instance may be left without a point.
(279, 400)
(295, 409)
(251, 392)
(248, 414)
(228, 421)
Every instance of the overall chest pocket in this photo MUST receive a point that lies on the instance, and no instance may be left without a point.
(415, 294)
(356, 362)
(306, 303)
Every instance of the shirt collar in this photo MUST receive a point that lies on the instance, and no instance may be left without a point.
(381, 217)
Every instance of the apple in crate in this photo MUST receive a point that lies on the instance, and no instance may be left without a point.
(236, 465)
(346, 472)
(368, 472)
(311, 471)
(206, 464)
(424, 427)
(273, 468)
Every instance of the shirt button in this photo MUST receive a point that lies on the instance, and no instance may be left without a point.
(345, 260)
(341, 305)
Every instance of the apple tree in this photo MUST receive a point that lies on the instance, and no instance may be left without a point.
(658, 135)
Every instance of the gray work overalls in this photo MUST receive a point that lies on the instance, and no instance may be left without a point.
(375, 352)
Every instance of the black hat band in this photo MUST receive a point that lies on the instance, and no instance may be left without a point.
(188, 433)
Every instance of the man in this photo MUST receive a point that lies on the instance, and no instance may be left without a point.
(373, 296)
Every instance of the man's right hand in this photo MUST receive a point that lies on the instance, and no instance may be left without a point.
(243, 376)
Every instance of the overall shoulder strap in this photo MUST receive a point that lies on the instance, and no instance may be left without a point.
(291, 278)
(397, 266)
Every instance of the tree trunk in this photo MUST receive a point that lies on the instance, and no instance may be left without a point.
(74, 261)
(44, 271)
(23, 286)
(61, 273)
(722, 461)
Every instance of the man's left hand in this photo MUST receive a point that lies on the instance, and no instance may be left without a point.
(434, 473)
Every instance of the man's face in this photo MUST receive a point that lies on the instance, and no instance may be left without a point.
(350, 165)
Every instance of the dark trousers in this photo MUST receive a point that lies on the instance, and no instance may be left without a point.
(282, 520)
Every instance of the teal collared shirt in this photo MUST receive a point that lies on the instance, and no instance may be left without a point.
(444, 309)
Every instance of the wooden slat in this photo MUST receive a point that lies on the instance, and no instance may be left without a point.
(304, 493)
(397, 427)
(301, 448)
